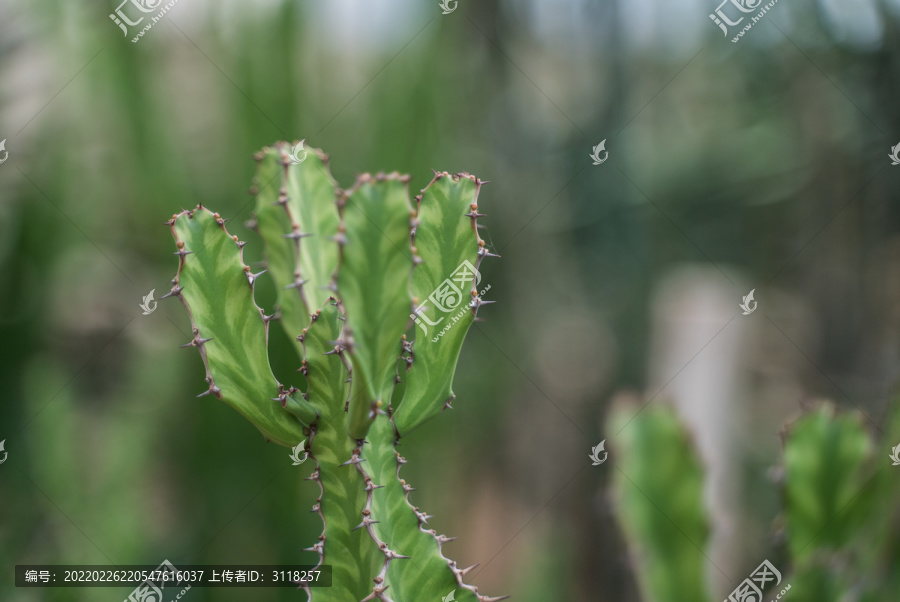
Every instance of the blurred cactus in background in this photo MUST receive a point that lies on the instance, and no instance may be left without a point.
(355, 272)
(837, 493)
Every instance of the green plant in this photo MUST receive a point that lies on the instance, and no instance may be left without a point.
(839, 521)
(350, 268)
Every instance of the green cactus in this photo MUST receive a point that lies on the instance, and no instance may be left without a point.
(354, 270)
(839, 516)
(668, 535)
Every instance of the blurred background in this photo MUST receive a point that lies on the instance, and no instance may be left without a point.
(759, 164)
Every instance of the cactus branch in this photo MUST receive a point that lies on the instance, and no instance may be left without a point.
(449, 252)
(230, 330)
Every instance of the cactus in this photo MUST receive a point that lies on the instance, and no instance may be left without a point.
(838, 523)
(353, 270)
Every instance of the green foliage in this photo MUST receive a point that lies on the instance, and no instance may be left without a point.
(344, 265)
(837, 497)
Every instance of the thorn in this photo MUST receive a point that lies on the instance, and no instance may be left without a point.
(176, 290)
(214, 390)
(252, 277)
(197, 341)
(463, 572)
(486, 599)
(296, 284)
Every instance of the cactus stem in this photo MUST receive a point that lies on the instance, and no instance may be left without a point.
(389, 554)
(440, 539)
(319, 547)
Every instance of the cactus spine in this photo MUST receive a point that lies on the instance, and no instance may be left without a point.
(351, 268)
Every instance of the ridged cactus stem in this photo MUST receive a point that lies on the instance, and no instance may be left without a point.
(230, 330)
(349, 267)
